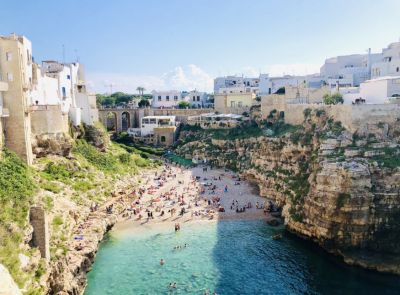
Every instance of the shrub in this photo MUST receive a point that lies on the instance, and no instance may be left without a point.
(335, 98)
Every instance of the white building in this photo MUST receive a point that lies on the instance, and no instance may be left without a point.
(389, 63)
(159, 130)
(197, 99)
(168, 99)
(224, 84)
(61, 84)
(270, 85)
(375, 91)
(380, 90)
(150, 122)
(348, 70)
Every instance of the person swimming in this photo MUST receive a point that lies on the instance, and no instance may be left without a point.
(162, 262)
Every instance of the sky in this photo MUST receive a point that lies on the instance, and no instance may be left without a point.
(185, 44)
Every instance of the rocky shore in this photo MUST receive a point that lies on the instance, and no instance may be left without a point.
(335, 188)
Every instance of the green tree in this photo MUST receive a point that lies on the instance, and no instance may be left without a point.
(183, 104)
(335, 98)
(144, 103)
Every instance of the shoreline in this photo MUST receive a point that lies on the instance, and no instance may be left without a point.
(69, 274)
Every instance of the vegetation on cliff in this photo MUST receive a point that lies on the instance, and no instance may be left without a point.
(66, 187)
(16, 191)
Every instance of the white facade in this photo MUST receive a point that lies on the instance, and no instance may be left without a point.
(197, 99)
(389, 64)
(55, 83)
(270, 85)
(375, 91)
(168, 99)
(380, 90)
(148, 124)
(348, 70)
(222, 84)
(86, 104)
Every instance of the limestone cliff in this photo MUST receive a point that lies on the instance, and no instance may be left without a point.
(339, 189)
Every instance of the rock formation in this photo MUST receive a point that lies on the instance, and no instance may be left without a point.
(338, 189)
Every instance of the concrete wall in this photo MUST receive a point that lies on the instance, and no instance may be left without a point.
(49, 120)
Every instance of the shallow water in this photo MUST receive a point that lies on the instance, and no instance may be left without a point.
(229, 257)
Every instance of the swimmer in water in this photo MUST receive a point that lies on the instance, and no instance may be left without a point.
(162, 261)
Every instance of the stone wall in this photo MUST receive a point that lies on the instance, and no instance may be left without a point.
(40, 239)
(352, 117)
(48, 119)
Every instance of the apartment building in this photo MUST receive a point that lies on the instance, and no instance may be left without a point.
(38, 100)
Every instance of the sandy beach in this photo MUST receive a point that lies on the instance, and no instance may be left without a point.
(177, 195)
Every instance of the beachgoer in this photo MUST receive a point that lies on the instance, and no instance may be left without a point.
(162, 261)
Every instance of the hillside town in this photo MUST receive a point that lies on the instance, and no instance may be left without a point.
(42, 101)
(199, 147)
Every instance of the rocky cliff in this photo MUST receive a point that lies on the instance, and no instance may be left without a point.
(339, 189)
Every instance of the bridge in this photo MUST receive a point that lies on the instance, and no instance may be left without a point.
(120, 119)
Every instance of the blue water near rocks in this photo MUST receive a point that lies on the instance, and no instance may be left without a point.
(228, 257)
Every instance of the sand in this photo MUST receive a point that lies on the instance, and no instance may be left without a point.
(163, 191)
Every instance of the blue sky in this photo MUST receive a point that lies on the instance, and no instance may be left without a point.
(179, 44)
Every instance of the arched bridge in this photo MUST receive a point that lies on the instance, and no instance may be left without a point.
(120, 119)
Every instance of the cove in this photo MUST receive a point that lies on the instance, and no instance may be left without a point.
(228, 257)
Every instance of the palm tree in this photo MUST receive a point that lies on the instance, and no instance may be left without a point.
(141, 90)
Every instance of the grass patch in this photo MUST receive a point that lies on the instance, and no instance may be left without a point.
(82, 186)
(51, 187)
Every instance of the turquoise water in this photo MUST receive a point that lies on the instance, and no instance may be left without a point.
(229, 257)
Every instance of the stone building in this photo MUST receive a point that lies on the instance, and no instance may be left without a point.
(39, 101)
(16, 71)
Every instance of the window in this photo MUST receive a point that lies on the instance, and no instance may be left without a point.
(163, 138)
(10, 77)
(240, 104)
(194, 98)
(68, 77)
(159, 98)
(175, 97)
(153, 121)
(64, 92)
(167, 98)
(8, 56)
(233, 104)
(198, 98)
(397, 69)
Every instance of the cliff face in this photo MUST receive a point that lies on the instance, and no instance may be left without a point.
(338, 189)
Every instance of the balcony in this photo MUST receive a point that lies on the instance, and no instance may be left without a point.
(3, 86)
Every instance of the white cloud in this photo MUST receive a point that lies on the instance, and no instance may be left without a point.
(186, 78)
(180, 78)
